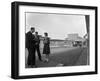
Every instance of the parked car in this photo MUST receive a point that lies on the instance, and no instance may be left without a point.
(77, 43)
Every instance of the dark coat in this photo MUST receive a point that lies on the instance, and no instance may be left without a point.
(37, 39)
(46, 49)
(30, 40)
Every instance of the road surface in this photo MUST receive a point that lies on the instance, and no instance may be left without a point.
(68, 56)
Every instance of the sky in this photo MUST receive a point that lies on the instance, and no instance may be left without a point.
(58, 26)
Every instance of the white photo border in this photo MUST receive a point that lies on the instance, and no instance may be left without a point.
(52, 70)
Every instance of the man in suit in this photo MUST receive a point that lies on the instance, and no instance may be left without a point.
(30, 45)
(37, 45)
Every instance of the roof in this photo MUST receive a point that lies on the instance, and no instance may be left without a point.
(56, 40)
(76, 39)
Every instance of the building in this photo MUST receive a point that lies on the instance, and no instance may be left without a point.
(53, 42)
(57, 43)
(72, 40)
(75, 39)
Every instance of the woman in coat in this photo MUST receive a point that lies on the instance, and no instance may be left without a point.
(46, 48)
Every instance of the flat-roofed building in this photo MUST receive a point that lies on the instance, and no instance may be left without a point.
(75, 39)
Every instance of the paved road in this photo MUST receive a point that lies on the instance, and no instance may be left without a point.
(66, 56)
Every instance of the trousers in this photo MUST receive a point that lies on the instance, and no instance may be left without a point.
(31, 56)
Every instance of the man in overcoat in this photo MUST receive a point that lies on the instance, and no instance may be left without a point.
(37, 46)
(30, 45)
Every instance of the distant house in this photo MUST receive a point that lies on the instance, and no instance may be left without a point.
(57, 42)
(53, 42)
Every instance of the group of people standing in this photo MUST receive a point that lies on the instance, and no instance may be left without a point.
(33, 46)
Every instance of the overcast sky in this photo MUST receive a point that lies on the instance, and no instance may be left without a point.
(57, 25)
